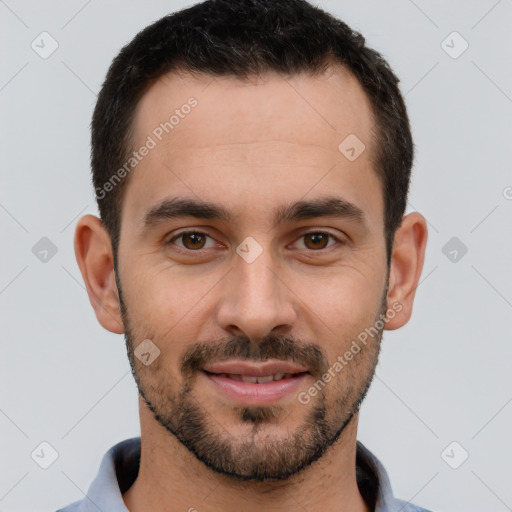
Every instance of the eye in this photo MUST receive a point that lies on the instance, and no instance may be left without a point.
(192, 240)
(318, 240)
(196, 241)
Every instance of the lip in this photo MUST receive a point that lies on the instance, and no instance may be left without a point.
(255, 394)
(254, 369)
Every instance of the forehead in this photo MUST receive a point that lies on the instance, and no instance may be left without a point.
(252, 141)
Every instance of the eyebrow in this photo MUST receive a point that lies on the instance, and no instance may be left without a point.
(331, 206)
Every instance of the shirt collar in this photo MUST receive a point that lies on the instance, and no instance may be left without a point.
(119, 468)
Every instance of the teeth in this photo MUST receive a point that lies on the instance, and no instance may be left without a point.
(254, 380)
(246, 378)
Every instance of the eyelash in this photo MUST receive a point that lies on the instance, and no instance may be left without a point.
(183, 233)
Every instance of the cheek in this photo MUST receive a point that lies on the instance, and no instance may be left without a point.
(161, 297)
(168, 308)
(344, 301)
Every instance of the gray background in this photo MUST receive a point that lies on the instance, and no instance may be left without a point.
(444, 377)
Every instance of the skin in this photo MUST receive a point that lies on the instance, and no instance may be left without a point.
(251, 146)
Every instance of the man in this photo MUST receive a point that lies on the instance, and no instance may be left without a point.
(251, 161)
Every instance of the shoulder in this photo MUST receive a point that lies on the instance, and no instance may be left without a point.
(404, 506)
(118, 470)
(76, 506)
(382, 490)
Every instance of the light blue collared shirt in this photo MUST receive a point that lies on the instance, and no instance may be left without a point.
(120, 465)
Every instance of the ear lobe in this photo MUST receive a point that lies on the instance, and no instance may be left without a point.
(406, 265)
(93, 251)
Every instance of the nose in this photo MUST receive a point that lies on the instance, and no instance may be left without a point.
(256, 299)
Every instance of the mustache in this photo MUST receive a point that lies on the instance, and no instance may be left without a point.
(272, 346)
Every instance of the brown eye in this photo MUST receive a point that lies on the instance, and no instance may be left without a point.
(191, 240)
(196, 240)
(318, 240)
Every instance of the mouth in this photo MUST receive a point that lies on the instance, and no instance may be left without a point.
(256, 384)
(256, 379)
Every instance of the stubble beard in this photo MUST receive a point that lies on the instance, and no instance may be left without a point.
(259, 455)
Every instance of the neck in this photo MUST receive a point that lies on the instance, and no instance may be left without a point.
(171, 479)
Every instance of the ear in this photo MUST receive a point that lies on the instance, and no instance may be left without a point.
(406, 265)
(93, 251)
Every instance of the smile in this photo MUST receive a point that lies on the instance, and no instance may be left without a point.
(256, 384)
(250, 378)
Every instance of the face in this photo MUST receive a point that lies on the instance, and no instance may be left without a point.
(252, 246)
